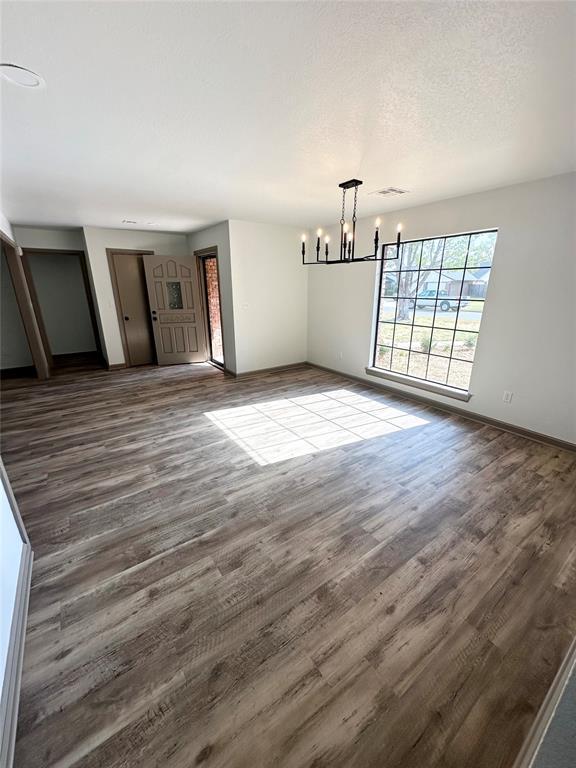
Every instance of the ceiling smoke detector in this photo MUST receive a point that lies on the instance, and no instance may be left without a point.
(389, 191)
(21, 75)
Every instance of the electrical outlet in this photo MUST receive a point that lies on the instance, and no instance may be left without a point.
(507, 397)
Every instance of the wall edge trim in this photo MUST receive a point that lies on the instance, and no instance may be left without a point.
(532, 742)
(274, 369)
(14, 661)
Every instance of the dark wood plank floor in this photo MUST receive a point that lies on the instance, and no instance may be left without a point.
(401, 601)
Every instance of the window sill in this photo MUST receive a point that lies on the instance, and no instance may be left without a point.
(428, 386)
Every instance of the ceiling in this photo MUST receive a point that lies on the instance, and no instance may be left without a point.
(184, 114)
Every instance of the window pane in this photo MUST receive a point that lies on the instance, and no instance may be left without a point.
(432, 253)
(469, 315)
(445, 305)
(421, 340)
(464, 345)
(446, 319)
(451, 284)
(482, 249)
(424, 316)
(455, 251)
(408, 283)
(383, 357)
(385, 334)
(411, 255)
(391, 263)
(390, 284)
(400, 361)
(441, 342)
(174, 296)
(428, 282)
(476, 282)
(438, 369)
(417, 365)
(460, 374)
(402, 336)
(388, 310)
(405, 311)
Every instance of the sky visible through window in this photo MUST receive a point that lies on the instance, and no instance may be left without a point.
(298, 426)
(430, 307)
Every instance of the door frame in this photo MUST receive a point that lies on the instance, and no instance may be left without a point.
(110, 253)
(26, 252)
(201, 256)
(25, 306)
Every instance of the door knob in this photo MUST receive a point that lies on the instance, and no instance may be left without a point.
(126, 317)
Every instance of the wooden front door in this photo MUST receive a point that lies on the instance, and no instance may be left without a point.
(176, 309)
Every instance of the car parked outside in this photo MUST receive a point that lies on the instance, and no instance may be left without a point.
(428, 300)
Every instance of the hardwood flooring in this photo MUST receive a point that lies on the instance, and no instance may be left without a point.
(397, 600)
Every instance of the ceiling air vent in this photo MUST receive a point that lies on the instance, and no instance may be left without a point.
(390, 191)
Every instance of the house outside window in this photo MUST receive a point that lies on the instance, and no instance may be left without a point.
(430, 306)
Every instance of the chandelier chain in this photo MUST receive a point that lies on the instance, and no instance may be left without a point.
(343, 206)
(355, 199)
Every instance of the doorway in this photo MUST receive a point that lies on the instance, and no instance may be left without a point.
(211, 288)
(176, 309)
(159, 307)
(61, 296)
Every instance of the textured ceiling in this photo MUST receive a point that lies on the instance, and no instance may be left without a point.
(188, 113)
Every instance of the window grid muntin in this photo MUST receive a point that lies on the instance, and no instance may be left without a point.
(437, 301)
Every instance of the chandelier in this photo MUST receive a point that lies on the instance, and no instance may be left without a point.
(346, 253)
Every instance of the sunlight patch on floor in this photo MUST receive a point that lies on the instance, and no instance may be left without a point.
(283, 429)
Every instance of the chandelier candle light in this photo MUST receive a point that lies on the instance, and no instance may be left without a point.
(348, 238)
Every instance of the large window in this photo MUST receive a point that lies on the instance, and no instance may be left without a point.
(430, 307)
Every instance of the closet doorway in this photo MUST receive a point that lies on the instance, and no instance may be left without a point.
(61, 296)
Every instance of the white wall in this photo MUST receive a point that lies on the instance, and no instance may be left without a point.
(527, 341)
(219, 236)
(59, 284)
(54, 239)
(5, 226)
(263, 293)
(269, 292)
(14, 349)
(96, 242)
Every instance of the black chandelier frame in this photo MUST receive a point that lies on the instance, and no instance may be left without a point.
(348, 239)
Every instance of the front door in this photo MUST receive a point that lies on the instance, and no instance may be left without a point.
(176, 309)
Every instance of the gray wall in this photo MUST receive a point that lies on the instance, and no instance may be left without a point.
(14, 351)
(63, 301)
